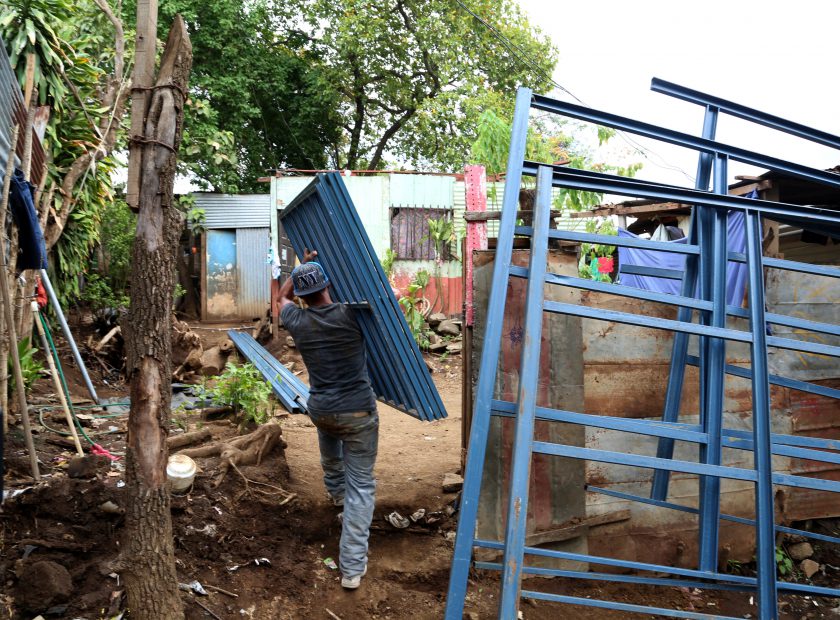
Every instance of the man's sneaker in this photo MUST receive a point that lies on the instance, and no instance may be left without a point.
(351, 583)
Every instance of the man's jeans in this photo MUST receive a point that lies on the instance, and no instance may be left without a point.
(348, 444)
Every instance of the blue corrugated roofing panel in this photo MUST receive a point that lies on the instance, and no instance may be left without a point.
(322, 217)
(291, 391)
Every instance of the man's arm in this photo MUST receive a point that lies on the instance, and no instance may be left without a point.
(287, 295)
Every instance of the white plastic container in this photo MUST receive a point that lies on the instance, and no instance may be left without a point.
(180, 471)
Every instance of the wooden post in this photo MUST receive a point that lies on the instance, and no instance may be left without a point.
(148, 550)
(8, 315)
(141, 82)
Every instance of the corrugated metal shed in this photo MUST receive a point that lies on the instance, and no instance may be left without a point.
(11, 109)
(323, 217)
(254, 296)
(234, 210)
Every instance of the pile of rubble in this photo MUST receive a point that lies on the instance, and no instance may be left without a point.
(444, 333)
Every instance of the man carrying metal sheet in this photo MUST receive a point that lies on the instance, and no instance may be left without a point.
(341, 404)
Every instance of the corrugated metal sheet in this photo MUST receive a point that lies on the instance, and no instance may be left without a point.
(254, 272)
(290, 391)
(323, 217)
(12, 110)
(409, 190)
(221, 288)
(234, 210)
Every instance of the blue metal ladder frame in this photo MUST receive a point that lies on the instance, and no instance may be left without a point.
(708, 256)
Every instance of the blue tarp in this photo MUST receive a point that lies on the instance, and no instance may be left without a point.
(736, 273)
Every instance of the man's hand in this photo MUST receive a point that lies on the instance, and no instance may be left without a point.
(309, 255)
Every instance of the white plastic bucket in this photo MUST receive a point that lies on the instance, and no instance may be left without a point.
(180, 471)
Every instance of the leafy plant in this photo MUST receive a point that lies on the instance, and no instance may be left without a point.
(412, 303)
(784, 563)
(30, 367)
(99, 294)
(243, 389)
(592, 252)
(388, 262)
(442, 233)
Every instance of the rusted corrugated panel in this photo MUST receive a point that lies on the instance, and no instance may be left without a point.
(254, 289)
(12, 110)
(556, 491)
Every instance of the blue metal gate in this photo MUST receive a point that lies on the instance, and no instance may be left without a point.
(703, 313)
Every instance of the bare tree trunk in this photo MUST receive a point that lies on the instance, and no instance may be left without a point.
(149, 554)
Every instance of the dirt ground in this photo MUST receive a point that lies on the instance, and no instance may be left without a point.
(272, 560)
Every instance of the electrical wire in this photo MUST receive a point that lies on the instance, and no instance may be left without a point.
(523, 58)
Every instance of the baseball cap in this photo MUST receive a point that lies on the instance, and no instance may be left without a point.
(309, 278)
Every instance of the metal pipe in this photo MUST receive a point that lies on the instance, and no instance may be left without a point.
(45, 278)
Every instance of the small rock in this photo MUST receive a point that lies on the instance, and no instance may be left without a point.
(452, 483)
(88, 466)
(42, 585)
(800, 551)
(436, 319)
(434, 338)
(290, 342)
(438, 346)
(110, 507)
(809, 567)
(448, 328)
(471, 615)
(454, 347)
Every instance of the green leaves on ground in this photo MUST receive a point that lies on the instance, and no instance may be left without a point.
(244, 389)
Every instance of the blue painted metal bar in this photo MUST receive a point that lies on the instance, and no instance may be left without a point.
(715, 348)
(783, 445)
(646, 321)
(748, 114)
(526, 402)
(614, 605)
(680, 508)
(660, 568)
(462, 554)
(686, 467)
(799, 215)
(653, 272)
(816, 270)
(650, 581)
(685, 140)
(626, 564)
(764, 510)
(623, 242)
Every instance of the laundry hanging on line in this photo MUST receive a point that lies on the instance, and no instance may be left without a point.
(33, 251)
(736, 273)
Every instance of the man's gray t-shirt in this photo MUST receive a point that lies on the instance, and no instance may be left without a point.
(330, 341)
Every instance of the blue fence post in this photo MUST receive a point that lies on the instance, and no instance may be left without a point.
(474, 467)
(764, 507)
(526, 403)
(679, 350)
(715, 377)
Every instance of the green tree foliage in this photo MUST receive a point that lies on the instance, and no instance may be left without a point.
(259, 94)
(350, 84)
(79, 71)
(415, 75)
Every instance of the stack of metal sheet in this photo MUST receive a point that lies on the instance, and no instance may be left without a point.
(291, 391)
(322, 217)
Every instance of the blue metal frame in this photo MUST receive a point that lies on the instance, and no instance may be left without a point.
(702, 312)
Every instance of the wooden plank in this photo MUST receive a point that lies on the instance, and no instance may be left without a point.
(575, 530)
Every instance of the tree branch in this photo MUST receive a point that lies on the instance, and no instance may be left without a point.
(389, 133)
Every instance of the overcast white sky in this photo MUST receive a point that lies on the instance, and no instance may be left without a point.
(779, 57)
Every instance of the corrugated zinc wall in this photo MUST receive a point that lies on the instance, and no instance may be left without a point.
(11, 109)
(254, 272)
(234, 210)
